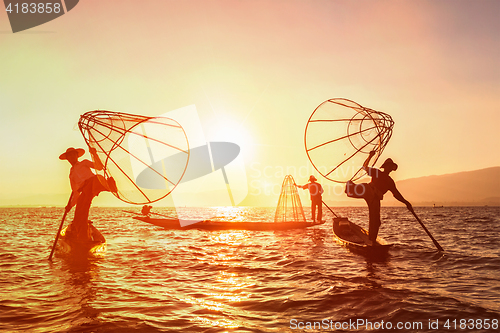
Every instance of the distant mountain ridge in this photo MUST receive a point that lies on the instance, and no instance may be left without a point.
(478, 187)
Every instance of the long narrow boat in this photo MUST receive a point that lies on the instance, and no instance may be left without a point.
(356, 239)
(96, 247)
(172, 223)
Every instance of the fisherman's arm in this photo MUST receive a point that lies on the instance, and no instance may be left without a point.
(367, 161)
(97, 161)
(400, 197)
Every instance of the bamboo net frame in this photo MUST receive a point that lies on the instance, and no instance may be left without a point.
(110, 133)
(289, 207)
(339, 130)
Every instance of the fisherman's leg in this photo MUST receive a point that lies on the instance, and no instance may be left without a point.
(320, 209)
(374, 215)
(313, 210)
(349, 188)
(80, 221)
(99, 184)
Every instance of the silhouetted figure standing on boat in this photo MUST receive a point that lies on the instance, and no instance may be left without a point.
(85, 185)
(374, 191)
(316, 190)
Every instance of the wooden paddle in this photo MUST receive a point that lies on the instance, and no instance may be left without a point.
(60, 226)
(427, 231)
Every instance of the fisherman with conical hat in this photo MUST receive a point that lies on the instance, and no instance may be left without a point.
(374, 191)
(316, 190)
(85, 185)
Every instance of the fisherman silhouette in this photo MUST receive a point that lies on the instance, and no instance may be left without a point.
(85, 185)
(146, 210)
(316, 190)
(374, 191)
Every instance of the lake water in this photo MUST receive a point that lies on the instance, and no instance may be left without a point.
(156, 280)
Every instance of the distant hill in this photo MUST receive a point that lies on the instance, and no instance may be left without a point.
(469, 188)
(478, 187)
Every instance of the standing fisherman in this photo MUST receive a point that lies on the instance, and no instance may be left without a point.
(316, 190)
(374, 191)
(85, 185)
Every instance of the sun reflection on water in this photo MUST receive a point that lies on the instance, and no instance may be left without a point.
(221, 296)
(229, 213)
(226, 323)
(225, 289)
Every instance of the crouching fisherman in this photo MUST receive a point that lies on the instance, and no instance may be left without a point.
(146, 210)
(85, 185)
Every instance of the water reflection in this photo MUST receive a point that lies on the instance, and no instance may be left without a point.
(317, 236)
(78, 277)
(224, 288)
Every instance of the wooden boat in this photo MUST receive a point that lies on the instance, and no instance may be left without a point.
(172, 223)
(356, 238)
(70, 246)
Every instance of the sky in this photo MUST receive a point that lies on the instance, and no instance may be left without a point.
(255, 70)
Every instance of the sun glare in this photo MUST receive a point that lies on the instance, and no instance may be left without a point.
(230, 130)
(226, 213)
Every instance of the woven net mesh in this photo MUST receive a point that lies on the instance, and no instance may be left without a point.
(339, 136)
(146, 156)
(289, 207)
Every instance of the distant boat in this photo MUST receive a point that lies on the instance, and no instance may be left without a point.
(356, 239)
(180, 224)
(438, 206)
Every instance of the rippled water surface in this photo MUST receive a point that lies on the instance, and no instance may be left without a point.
(157, 280)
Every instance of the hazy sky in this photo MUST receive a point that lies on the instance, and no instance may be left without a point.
(255, 71)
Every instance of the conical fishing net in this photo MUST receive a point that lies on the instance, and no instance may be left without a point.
(289, 207)
(146, 156)
(339, 136)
